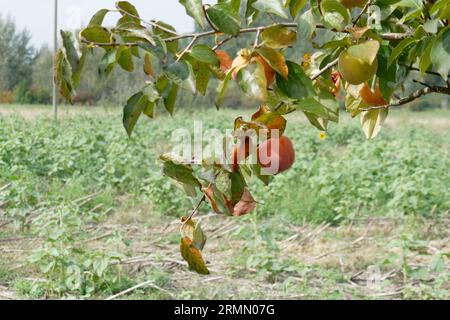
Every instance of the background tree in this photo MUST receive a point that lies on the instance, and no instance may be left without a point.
(17, 56)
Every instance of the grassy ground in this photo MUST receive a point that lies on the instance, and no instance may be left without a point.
(85, 213)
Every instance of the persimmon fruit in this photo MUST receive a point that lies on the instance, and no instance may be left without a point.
(354, 70)
(282, 159)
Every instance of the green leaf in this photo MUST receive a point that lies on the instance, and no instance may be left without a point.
(295, 6)
(235, 6)
(108, 62)
(252, 81)
(372, 121)
(311, 105)
(177, 72)
(177, 171)
(400, 48)
(194, 8)
(279, 37)
(237, 186)
(172, 46)
(251, 13)
(425, 59)
(62, 75)
(132, 111)
(97, 19)
(203, 53)
(71, 52)
(275, 59)
(298, 85)
(148, 68)
(335, 15)
(97, 34)
(440, 53)
(271, 6)
(319, 123)
(224, 19)
(127, 7)
(124, 58)
(221, 89)
(202, 77)
(170, 98)
(306, 25)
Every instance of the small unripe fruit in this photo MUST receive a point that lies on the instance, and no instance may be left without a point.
(278, 160)
(354, 70)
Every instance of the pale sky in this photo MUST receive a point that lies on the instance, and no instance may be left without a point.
(37, 15)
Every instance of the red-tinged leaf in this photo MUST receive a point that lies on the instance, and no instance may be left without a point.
(246, 205)
(192, 256)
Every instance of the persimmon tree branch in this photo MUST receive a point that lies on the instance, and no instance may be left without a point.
(413, 96)
(364, 9)
(324, 69)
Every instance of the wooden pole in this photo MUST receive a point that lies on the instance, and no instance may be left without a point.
(55, 48)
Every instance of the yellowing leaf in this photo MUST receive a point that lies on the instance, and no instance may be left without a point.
(372, 121)
(275, 60)
(253, 82)
(279, 37)
(192, 256)
(192, 230)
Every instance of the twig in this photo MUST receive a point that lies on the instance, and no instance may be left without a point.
(194, 212)
(413, 96)
(322, 71)
(427, 72)
(368, 4)
(222, 42)
(143, 284)
(186, 49)
(255, 44)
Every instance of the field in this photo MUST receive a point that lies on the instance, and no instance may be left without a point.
(86, 213)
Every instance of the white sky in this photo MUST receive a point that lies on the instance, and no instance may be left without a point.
(37, 15)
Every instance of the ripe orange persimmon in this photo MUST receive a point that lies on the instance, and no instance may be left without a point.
(372, 98)
(225, 60)
(279, 160)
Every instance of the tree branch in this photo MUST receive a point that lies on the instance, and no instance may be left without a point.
(413, 96)
(385, 36)
(368, 4)
(324, 69)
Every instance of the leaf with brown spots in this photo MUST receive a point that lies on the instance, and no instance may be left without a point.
(193, 256)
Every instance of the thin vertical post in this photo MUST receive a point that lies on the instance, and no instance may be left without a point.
(55, 48)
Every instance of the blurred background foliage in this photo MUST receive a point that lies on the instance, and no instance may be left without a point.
(26, 74)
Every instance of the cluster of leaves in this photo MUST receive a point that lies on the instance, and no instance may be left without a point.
(374, 48)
